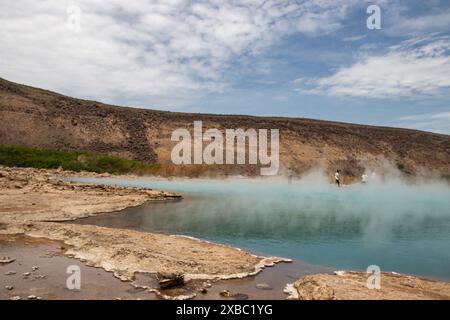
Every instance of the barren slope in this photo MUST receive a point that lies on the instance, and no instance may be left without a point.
(36, 117)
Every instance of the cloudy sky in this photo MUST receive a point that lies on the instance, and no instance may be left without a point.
(314, 59)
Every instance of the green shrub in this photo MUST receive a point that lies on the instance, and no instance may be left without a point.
(22, 156)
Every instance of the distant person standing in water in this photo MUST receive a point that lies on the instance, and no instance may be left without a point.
(364, 178)
(290, 174)
(337, 177)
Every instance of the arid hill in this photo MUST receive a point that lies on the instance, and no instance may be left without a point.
(36, 117)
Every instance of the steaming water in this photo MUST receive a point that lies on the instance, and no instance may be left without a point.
(399, 227)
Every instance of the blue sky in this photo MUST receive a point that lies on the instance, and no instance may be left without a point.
(313, 59)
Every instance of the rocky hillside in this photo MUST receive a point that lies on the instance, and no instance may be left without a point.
(36, 117)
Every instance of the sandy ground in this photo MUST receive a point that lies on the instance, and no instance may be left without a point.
(32, 200)
(351, 285)
(39, 271)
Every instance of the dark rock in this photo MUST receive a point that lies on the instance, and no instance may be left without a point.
(167, 280)
(240, 296)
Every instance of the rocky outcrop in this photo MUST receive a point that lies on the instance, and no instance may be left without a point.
(43, 195)
(352, 285)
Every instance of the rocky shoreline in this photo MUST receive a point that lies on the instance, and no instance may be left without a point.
(352, 285)
(35, 202)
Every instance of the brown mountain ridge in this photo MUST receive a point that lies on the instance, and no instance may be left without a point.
(35, 117)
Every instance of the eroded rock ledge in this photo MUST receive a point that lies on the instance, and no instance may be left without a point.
(42, 195)
(126, 252)
(351, 285)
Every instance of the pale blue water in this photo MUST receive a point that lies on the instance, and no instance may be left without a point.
(399, 227)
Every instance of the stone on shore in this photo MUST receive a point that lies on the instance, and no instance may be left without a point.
(6, 260)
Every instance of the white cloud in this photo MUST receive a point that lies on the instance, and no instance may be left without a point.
(435, 122)
(420, 66)
(355, 38)
(153, 53)
(428, 116)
